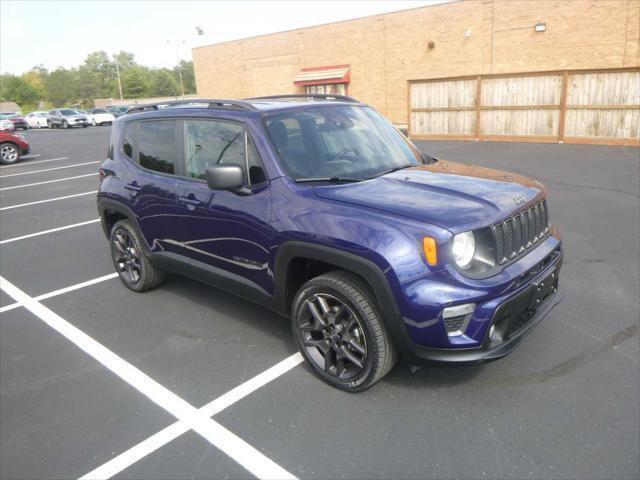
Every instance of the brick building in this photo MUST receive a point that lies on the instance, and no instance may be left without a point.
(474, 45)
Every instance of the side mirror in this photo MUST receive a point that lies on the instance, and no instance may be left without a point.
(225, 177)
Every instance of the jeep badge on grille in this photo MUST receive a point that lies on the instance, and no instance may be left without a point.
(519, 200)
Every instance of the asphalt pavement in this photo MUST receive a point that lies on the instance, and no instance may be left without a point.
(189, 382)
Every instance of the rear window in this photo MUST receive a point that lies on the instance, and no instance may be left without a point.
(158, 145)
(128, 139)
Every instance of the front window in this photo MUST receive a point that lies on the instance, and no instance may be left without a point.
(330, 142)
(68, 111)
(214, 142)
(99, 110)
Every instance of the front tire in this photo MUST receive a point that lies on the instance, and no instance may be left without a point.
(9, 153)
(65, 124)
(131, 262)
(339, 331)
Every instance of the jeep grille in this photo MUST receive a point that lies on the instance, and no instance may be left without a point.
(520, 232)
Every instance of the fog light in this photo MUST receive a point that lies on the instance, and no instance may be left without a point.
(458, 310)
(457, 318)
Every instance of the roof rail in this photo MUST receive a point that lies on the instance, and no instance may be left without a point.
(320, 96)
(210, 102)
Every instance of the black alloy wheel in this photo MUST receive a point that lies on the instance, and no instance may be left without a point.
(333, 336)
(130, 260)
(126, 257)
(337, 326)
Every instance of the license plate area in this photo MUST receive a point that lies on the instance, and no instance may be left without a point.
(543, 289)
(516, 313)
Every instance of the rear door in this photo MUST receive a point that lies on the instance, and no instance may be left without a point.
(153, 148)
(227, 230)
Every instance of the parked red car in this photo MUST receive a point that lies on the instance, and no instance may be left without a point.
(19, 123)
(12, 146)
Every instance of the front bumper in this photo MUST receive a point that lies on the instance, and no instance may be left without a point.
(510, 307)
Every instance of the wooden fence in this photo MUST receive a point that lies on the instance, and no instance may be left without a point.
(570, 106)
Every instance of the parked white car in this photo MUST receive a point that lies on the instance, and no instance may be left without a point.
(6, 125)
(37, 119)
(99, 116)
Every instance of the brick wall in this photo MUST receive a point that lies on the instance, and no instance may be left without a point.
(385, 51)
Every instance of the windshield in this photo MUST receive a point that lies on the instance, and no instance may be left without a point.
(99, 110)
(338, 141)
(68, 111)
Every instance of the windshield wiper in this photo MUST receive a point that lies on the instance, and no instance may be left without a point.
(330, 179)
(394, 169)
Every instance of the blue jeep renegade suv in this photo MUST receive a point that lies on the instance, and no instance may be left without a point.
(320, 209)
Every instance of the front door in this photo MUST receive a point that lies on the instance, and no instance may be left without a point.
(224, 229)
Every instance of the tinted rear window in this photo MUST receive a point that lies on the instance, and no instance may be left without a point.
(158, 145)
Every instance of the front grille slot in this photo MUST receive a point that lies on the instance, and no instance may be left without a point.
(519, 233)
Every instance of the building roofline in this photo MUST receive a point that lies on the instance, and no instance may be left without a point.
(443, 2)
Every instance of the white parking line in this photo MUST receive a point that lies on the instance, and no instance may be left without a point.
(52, 230)
(48, 200)
(48, 181)
(28, 157)
(244, 454)
(61, 291)
(167, 435)
(20, 164)
(48, 169)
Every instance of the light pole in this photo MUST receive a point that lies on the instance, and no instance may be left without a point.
(118, 74)
(177, 45)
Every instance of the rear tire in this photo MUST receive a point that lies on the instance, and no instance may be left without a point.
(132, 264)
(9, 153)
(339, 330)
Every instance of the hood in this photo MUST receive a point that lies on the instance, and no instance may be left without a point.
(451, 195)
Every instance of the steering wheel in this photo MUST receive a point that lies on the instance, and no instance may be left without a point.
(343, 153)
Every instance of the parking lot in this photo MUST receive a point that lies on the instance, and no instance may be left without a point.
(189, 382)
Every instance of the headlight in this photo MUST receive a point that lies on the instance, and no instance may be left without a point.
(463, 249)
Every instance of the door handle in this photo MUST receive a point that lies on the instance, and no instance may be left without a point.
(189, 201)
(134, 187)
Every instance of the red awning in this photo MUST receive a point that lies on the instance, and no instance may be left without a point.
(323, 75)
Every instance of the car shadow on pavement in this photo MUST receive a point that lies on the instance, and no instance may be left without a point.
(426, 376)
(221, 304)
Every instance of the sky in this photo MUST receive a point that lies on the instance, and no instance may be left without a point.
(61, 33)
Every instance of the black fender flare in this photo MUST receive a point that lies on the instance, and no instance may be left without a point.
(368, 270)
(105, 204)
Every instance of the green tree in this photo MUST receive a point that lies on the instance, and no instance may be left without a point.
(188, 77)
(16, 89)
(62, 87)
(125, 60)
(163, 83)
(135, 82)
(96, 77)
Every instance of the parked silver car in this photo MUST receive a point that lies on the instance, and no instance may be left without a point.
(66, 118)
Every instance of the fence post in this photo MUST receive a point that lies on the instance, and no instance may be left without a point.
(478, 102)
(563, 106)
